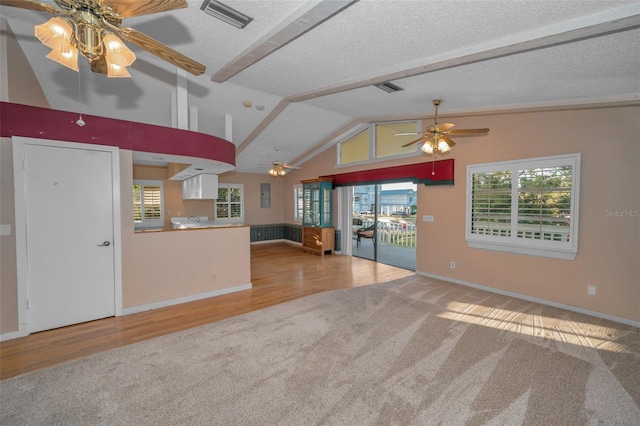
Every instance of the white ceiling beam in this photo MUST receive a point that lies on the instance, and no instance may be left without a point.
(304, 19)
(270, 118)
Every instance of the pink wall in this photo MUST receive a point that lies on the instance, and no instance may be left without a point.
(609, 247)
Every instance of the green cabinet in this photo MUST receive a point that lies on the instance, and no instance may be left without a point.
(317, 202)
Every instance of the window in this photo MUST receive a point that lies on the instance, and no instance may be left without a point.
(526, 206)
(390, 145)
(355, 149)
(298, 203)
(148, 203)
(230, 203)
(378, 141)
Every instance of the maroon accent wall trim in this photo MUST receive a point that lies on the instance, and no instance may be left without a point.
(45, 123)
(418, 173)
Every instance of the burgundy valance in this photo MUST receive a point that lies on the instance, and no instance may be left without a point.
(430, 173)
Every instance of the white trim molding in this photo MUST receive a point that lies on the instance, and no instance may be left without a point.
(596, 314)
(180, 300)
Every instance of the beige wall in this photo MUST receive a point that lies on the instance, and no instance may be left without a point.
(254, 214)
(24, 89)
(8, 279)
(609, 247)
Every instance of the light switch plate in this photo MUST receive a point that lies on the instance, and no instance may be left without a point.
(5, 230)
(427, 218)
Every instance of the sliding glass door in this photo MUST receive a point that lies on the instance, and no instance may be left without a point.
(384, 228)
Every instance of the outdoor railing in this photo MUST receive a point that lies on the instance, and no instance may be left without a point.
(400, 233)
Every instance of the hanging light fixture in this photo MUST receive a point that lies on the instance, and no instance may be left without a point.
(118, 56)
(277, 170)
(90, 39)
(437, 145)
(55, 34)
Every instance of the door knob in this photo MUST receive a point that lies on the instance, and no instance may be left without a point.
(105, 244)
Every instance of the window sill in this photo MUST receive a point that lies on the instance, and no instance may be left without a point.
(564, 254)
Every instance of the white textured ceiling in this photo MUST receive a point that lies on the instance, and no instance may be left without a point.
(477, 55)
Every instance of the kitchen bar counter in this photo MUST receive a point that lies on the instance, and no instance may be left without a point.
(164, 267)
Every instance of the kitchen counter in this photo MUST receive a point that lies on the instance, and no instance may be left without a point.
(197, 228)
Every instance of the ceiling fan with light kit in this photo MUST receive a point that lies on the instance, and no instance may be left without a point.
(279, 168)
(436, 138)
(92, 27)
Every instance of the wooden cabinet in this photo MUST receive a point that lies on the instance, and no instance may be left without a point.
(318, 240)
(317, 216)
(317, 202)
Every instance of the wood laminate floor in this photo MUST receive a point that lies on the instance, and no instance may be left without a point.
(280, 272)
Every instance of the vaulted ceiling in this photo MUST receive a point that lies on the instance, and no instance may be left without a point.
(308, 67)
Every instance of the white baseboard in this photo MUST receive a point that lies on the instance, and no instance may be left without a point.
(13, 335)
(281, 240)
(179, 300)
(535, 300)
(294, 243)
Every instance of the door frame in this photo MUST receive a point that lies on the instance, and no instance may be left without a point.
(18, 144)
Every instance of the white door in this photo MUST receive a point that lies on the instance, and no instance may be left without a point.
(69, 235)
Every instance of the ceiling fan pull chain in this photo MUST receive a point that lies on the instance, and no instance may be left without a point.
(80, 122)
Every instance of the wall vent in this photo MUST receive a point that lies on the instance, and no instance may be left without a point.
(226, 13)
(388, 87)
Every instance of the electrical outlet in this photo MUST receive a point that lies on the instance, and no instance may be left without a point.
(591, 290)
(453, 265)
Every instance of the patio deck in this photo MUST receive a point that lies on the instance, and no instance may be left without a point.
(389, 254)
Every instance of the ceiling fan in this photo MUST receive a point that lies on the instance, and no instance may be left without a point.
(278, 168)
(89, 27)
(436, 137)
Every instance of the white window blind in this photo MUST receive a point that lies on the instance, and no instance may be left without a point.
(148, 203)
(298, 203)
(526, 206)
(230, 203)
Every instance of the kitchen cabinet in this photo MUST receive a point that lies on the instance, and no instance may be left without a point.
(200, 187)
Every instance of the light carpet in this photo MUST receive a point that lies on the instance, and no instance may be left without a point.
(415, 351)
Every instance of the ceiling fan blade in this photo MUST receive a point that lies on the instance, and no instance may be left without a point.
(407, 134)
(129, 8)
(444, 127)
(31, 5)
(421, 138)
(161, 50)
(286, 166)
(469, 132)
(448, 140)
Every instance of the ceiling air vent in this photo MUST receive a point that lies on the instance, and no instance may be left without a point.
(388, 87)
(226, 13)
